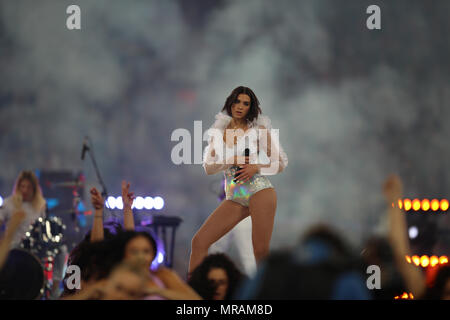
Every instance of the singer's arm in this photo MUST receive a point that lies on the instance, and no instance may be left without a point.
(275, 153)
(211, 163)
(210, 160)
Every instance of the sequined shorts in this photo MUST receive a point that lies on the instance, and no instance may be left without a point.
(241, 192)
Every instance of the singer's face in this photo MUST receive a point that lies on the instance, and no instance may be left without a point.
(26, 190)
(240, 107)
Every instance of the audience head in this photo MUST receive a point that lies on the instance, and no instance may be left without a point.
(216, 278)
(321, 266)
(126, 282)
(320, 244)
(136, 247)
(95, 260)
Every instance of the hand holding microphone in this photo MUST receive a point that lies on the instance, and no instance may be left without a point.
(247, 159)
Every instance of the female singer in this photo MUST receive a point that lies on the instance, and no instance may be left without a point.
(238, 134)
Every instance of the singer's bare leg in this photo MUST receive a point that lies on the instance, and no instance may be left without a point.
(263, 205)
(222, 220)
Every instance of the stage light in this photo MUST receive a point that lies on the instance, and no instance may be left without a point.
(139, 203)
(425, 204)
(400, 203)
(413, 232)
(424, 261)
(119, 203)
(1, 201)
(148, 203)
(434, 204)
(444, 205)
(407, 204)
(405, 296)
(158, 203)
(434, 261)
(160, 258)
(111, 202)
(416, 204)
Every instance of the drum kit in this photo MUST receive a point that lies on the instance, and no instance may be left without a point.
(28, 271)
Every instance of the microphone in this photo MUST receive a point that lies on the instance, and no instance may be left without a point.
(85, 148)
(246, 154)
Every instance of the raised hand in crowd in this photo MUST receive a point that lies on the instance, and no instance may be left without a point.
(97, 233)
(127, 199)
(398, 237)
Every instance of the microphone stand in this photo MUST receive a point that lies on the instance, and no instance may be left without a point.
(104, 193)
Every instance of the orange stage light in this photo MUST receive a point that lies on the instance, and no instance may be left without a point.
(404, 296)
(444, 205)
(407, 204)
(416, 204)
(434, 261)
(424, 261)
(425, 204)
(435, 204)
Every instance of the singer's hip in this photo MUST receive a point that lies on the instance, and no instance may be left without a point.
(242, 191)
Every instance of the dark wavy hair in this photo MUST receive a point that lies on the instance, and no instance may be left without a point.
(254, 111)
(199, 277)
(122, 239)
(95, 259)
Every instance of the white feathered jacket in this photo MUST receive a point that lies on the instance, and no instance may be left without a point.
(213, 156)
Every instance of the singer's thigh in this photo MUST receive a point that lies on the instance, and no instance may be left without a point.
(222, 220)
(263, 205)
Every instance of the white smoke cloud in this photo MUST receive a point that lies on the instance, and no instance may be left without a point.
(123, 79)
